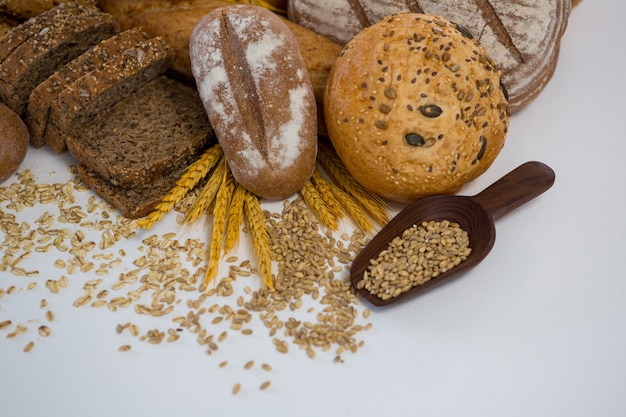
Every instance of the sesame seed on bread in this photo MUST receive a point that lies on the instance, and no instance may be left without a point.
(153, 131)
(98, 90)
(42, 97)
(45, 43)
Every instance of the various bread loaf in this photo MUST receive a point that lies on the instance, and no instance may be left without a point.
(174, 21)
(40, 46)
(415, 107)
(43, 96)
(13, 142)
(523, 37)
(133, 153)
(258, 94)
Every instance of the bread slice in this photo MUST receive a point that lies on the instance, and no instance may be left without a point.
(98, 90)
(132, 202)
(40, 100)
(156, 129)
(65, 37)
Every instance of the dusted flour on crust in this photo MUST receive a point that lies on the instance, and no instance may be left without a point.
(259, 98)
(522, 36)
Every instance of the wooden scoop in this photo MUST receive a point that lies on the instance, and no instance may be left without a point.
(475, 215)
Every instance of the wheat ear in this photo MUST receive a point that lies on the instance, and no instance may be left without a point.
(235, 218)
(192, 176)
(257, 226)
(324, 188)
(220, 216)
(314, 201)
(336, 170)
(207, 194)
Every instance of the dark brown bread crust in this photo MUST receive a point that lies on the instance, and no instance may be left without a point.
(97, 91)
(157, 128)
(42, 97)
(40, 55)
(132, 202)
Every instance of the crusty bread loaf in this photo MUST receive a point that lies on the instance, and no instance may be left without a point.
(174, 21)
(159, 127)
(522, 36)
(44, 51)
(24, 9)
(135, 201)
(414, 107)
(7, 23)
(13, 142)
(42, 97)
(98, 90)
(259, 98)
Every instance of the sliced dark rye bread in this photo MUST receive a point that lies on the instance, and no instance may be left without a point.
(40, 100)
(132, 202)
(156, 129)
(21, 33)
(40, 55)
(100, 89)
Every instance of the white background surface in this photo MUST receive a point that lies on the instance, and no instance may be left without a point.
(538, 329)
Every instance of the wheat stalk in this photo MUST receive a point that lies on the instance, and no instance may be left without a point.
(207, 194)
(220, 216)
(314, 200)
(257, 226)
(235, 218)
(192, 176)
(334, 167)
(324, 189)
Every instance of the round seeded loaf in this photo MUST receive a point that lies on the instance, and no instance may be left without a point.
(415, 107)
(522, 36)
(259, 98)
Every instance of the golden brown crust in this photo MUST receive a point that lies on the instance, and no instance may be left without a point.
(14, 142)
(414, 107)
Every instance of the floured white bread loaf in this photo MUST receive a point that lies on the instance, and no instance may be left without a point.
(522, 36)
(259, 98)
(414, 107)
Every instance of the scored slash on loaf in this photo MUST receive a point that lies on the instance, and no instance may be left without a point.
(258, 96)
(523, 37)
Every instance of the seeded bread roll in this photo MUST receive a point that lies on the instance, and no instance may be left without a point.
(259, 98)
(13, 142)
(414, 107)
(523, 36)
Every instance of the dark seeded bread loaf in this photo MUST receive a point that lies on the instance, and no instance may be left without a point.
(132, 202)
(7, 23)
(48, 49)
(156, 129)
(40, 100)
(25, 9)
(97, 91)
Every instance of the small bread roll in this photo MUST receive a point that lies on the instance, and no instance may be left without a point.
(258, 95)
(14, 140)
(415, 107)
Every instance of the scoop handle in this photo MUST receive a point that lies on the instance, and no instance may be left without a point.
(516, 188)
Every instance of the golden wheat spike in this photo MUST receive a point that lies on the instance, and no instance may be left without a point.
(192, 176)
(258, 229)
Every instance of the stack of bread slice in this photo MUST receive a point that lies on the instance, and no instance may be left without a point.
(81, 84)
